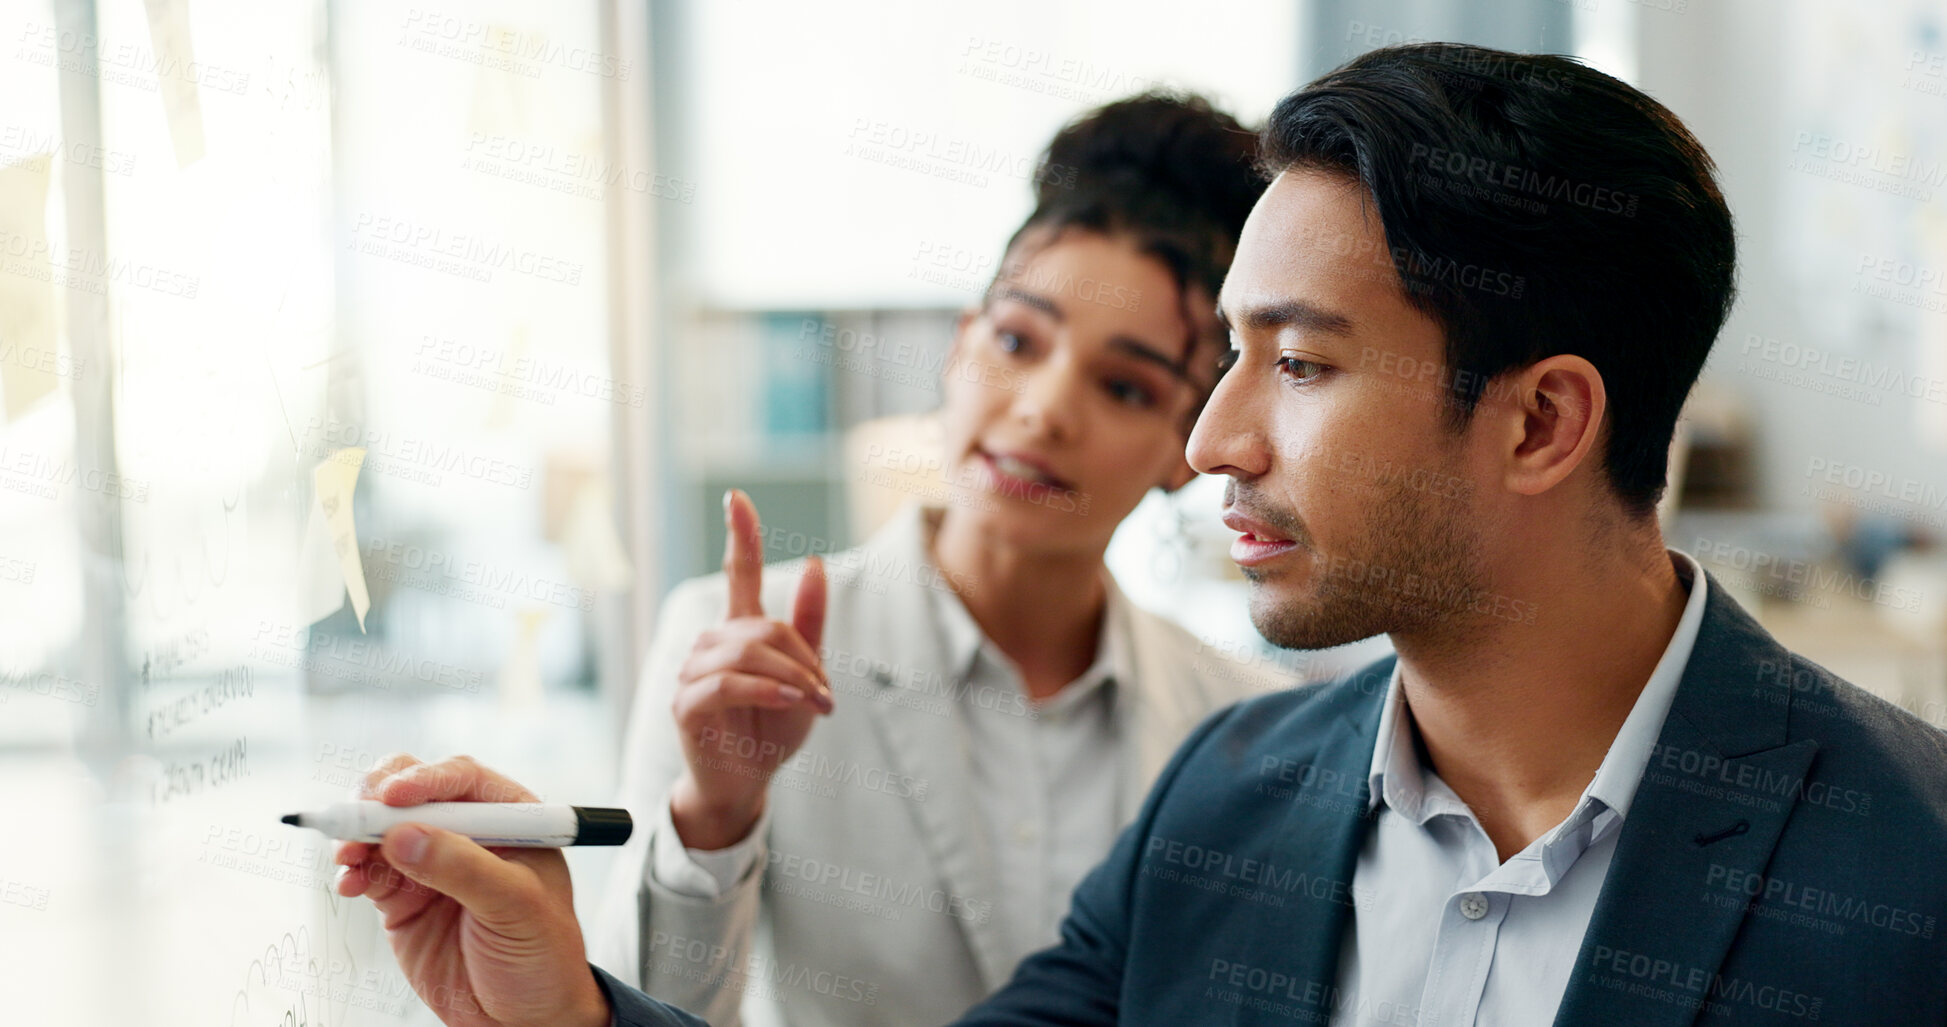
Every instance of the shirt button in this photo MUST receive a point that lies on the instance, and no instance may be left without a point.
(1473, 905)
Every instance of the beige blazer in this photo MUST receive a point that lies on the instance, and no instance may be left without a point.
(879, 917)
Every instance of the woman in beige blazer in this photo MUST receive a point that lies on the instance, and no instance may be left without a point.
(866, 784)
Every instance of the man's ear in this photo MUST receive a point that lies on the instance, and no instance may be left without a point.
(1552, 412)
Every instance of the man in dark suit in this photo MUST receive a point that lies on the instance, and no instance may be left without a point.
(1589, 789)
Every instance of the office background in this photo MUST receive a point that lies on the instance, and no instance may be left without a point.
(368, 372)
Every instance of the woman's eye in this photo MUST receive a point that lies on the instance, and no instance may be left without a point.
(1227, 361)
(1010, 342)
(1129, 392)
(1299, 369)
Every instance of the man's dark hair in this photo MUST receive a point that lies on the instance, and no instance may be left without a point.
(1533, 206)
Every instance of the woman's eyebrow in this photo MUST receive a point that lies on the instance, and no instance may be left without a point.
(1124, 343)
(1025, 298)
(1143, 351)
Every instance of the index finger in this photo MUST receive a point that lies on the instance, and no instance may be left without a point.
(743, 555)
(368, 786)
(354, 853)
(454, 779)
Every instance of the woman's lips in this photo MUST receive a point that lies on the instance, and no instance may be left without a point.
(1010, 483)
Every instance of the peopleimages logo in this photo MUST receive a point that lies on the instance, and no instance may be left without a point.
(466, 255)
(951, 157)
(1516, 180)
(1640, 973)
(1821, 902)
(465, 578)
(502, 47)
(1242, 877)
(892, 892)
(79, 268)
(1763, 566)
(412, 458)
(355, 660)
(24, 895)
(1844, 368)
(1749, 784)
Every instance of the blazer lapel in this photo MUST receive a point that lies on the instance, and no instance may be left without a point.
(1154, 707)
(926, 738)
(1720, 785)
(934, 749)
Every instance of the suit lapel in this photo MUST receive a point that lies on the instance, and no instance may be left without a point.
(1324, 846)
(1720, 785)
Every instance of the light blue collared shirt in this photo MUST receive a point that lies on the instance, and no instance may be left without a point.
(1442, 932)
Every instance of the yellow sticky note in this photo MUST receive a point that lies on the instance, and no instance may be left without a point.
(520, 676)
(589, 543)
(500, 97)
(333, 480)
(27, 338)
(320, 585)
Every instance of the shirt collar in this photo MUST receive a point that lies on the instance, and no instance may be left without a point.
(1622, 769)
(1395, 757)
(911, 531)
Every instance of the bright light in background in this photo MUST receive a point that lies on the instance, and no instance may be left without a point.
(819, 187)
(244, 321)
(40, 601)
(1605, 36)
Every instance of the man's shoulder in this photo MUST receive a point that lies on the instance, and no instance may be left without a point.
(1741, 679)
(1885, 763)
(1308, 744)
(1863, 822)
(1217, 670)
(1298, 716)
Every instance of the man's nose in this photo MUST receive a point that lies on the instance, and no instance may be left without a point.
(1227, 439)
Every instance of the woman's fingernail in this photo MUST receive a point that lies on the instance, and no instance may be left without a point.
(726, 500)
(790, 693)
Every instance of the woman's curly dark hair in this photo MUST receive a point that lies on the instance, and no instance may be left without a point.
(1166, 170)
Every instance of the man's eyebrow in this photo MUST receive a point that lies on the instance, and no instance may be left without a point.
(1288, 313)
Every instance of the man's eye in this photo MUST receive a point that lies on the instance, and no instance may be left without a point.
(1300, 370)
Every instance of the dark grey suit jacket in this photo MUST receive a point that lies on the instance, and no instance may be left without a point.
(1784, 862)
